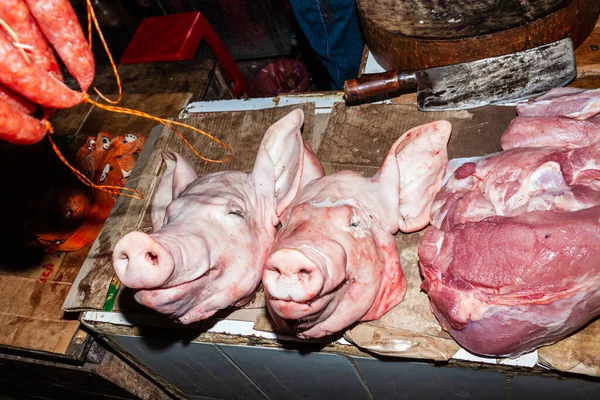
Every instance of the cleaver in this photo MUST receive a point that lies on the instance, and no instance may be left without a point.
(507, 78)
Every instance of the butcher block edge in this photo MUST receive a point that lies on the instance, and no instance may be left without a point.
(396, 51)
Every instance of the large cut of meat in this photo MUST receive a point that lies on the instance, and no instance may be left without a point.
(512, 259)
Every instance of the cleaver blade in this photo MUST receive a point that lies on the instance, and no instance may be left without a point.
(507, 78)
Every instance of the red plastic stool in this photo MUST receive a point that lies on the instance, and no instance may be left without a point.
(176, 37)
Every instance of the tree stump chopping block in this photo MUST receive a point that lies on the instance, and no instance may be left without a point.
(415, 34)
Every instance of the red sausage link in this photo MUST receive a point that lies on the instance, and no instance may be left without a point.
(19, 128)
(16, 14)
(16, 101)
(60, 25)
(31, 81)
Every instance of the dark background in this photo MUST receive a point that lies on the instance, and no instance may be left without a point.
(254, 32)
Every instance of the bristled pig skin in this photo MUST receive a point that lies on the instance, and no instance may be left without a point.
(335, 261)
(212, 234)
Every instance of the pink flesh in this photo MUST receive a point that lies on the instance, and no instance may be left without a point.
(423, 156)
(156, 265)
(511, 261)
(553, 132)
(535, 280)
(577, 104)
(344, 274)
(212, 234)
(335, 261)
(546, 179)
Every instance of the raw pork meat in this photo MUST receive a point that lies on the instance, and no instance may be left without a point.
(211, 234)
(563, 102)
(335, 260)
(512, 261)
(553, 131)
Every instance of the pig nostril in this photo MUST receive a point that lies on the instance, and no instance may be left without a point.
(274, 269)
(304, 273)
(152, 258)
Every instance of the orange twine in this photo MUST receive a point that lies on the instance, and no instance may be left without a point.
(168, 123)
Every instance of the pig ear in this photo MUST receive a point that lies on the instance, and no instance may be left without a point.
(421, 154)
(279, 166)
(177, 176)
(388, 181)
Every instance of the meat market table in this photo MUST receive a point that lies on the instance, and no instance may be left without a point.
(236, 354)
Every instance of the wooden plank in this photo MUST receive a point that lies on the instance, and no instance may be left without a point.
(242, 130)
(185, 76)
(577, 353)
(588, 54)
(163, 105)
(39, 334)
(359, 137)
(68, 121)
(31, 298)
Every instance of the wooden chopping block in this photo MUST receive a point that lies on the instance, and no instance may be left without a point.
(414, 34)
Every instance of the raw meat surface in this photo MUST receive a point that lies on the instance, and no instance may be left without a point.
(553, 132)
(516, 181)
(506, 285)
(211, 234)
(512, 259)
(575, 103)
(335, 260)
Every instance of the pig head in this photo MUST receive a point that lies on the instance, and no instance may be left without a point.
(335, 261)
(212, 234)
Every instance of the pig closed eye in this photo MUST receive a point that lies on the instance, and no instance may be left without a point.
(354, 221)
(238, 213)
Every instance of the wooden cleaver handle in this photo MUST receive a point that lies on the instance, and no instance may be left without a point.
(371, 85)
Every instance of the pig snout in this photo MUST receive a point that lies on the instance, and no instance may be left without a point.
(291, 276)
(142, 263)
(301, 279)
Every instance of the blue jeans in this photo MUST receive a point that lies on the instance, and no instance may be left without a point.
(333, 31)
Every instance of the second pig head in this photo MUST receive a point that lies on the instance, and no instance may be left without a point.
(211, 234)
(335, 261)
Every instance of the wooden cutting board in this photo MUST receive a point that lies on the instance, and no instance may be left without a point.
(413, 34)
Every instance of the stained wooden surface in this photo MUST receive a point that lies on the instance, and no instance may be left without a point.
(243, 131)
(426, 33)
(140, 82)
(191, 76)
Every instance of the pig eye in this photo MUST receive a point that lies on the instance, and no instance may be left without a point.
(354, 221)
(239, 213)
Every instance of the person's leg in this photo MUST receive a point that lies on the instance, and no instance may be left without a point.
(333, 31)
